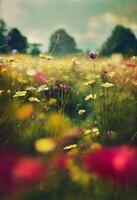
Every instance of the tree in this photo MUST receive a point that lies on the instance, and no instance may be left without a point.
(3, 31)
(34, 49)
(62, 44)
(121, 41)
(18, 41)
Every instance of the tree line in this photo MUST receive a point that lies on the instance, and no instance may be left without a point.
(122, 40)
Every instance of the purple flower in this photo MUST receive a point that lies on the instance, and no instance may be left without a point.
(93, 55)
(14, 51)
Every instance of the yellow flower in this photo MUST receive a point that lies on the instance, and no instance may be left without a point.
(20, 94)
(95, 131)
(57, 124)
(24, 112)
(45, 145)
(52, 101)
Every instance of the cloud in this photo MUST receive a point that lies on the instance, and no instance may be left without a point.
(111, 19)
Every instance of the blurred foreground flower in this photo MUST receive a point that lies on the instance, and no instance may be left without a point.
(45, 145)
(117, 164)
(18, 171)
(24, 112)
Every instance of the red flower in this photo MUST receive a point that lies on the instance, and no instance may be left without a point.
(118, 164)
(28, 170)
(17, 171)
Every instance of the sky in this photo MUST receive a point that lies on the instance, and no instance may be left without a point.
(90, 22)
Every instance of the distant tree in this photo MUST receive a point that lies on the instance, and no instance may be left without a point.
(122, 41)
(18, 41)
(61, 43)
(34, 49)
(3, 31)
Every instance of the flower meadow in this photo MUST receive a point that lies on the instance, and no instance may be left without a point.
(68, 127)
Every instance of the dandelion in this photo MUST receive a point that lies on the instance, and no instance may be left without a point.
(20, 94)
(81, 112)
(107, 85)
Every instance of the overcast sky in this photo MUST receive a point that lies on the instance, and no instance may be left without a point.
(89, 21)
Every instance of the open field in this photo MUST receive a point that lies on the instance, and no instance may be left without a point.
(68, 127)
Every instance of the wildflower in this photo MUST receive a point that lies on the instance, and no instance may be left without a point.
(33, 99)
(81, 112)
(1, 91)
(66, 87)
(90, 82)
(24, 112)
(17, 171)
(91, 96)
(72, 146)
(93, 55)
(30, 88)
(43, 88)
(28, 170)
(95, 131)
(45, 145)
(40, 77)
(107, 85)
(118, 164)
(52, 101)
(20, 94)
(14, 51)
(86, 132)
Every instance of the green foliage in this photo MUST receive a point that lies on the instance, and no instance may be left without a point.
(34, 49)
(122, 41)
(18, 41)
(3, 30)
(62, 44)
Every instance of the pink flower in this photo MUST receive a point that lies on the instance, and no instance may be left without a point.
(40, 78)
(118, 164)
